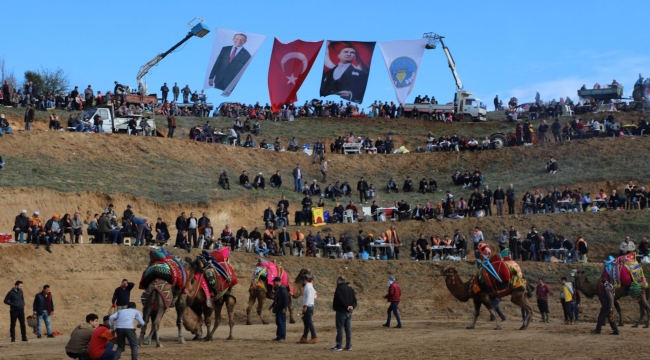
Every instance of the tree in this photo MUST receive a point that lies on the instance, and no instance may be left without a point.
(6, 74)
(48, 81)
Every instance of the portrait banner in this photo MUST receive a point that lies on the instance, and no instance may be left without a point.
(346, 70)
(290, 64)
(232, 52)
(402, 58)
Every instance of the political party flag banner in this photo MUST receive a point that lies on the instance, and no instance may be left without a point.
(290, 64)
(402, 58)
(231, 53)
(347, 66)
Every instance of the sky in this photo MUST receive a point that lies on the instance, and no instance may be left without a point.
(509, 48)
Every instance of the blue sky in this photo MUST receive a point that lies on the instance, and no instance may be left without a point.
(510, 48)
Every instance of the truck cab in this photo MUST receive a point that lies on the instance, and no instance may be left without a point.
(113, 123)
(471, 108)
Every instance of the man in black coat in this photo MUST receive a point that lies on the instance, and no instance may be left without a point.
(362, 187)
(21, 226)
(29, 117)
(165, 90)
(16, 303)
(346, 80)
(281, 303)
(230, 62)
(496, 103)
(345, 301)
(606, 298)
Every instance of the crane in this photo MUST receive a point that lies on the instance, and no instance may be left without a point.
(432, 41)
(200, 29)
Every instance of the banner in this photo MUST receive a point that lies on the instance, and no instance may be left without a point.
(231, 53)
(346, 70)
(290, 64)
(402, 60)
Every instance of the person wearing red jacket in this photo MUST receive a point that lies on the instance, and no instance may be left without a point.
(102, 342)
(393, 297)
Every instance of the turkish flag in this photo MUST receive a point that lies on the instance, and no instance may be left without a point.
(290, 64)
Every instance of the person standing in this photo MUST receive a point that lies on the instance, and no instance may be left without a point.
(606, 297)
(29, 117)
(566, 299)
(323, 169)
(496, 103)
(121, 324)
(297, 178)
(499, 197)
(176, 90)
(344, 303)
(319, 152)
(308, 298)
(543, 291)
(488, 200)
(510, 197)
(43, 309)
(279, 307)
(122, 295)
(16, 303)
(362, 187)
(192, 226)
(77, 346)
(171, 124)
(165, 90)
(393, 297)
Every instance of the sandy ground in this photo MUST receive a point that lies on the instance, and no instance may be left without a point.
(416, 340)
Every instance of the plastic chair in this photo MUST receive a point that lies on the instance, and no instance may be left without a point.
(348, 216)
(127, 241)
(209, 138)
(568, 111)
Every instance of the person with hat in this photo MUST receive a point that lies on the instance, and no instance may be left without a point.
(53, 231)
(345, 301)
(101, 342)
(122, 295)
(393, 297)
(37, 228)
(279, 307)
(4, 125)
(308, 298)
(259, 182)
(21, 226)
(121, 324)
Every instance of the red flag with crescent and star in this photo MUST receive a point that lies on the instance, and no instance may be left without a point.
(290, 64)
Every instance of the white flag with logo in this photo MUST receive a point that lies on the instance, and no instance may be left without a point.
(402, 58)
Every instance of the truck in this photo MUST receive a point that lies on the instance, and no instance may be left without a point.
(465, 107)
(605, 94)
(112, 122)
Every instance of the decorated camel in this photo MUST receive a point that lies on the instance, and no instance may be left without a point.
(207, 291)
(498, 279)
(262, 287)
(164, 280)
(626, 275)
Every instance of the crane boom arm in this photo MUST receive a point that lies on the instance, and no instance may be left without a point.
(452, 65)
(144, 69)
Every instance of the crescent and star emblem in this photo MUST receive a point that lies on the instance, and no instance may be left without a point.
(294, 55)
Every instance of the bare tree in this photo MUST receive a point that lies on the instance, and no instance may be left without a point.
(54, 81)
(6, 74)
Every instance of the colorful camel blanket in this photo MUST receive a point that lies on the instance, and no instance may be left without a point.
(265, 272)
(163, 266)
(626, 272)
(165, 290)
(508, 276)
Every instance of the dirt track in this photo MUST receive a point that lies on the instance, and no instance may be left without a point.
(417, 340)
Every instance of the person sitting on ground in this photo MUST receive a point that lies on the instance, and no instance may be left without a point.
(293, 144)
(306, 202)
(551, 166)
(314, 189)
(627, 247)
(329, 192)
(403, 211)
(261, 248)
(408, 184)
(4, 125)
(346, 189)
(337, 190)
(644, 247)
(243, 180)
(258, 183)
(276, 180)
(224, 180)
(392, 185)
(249, 141)
(321, 203)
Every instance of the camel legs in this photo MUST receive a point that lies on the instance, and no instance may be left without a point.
(230, 306)
(519, 299)
(483, 300)
(180, 309)
(207, 319)
(259, 297)
(291, 321)
(644, 310)
(156, 322)
(620, 314)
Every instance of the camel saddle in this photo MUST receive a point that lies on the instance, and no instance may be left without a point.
(507, 270)
(163, 266)
(265, 272)
(167, 291)
(625, 272)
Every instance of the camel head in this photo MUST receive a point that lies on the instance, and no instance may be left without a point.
(448, 271)
(297, 284)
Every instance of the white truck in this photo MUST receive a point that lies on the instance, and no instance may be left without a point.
(113, 123)
(465, 107)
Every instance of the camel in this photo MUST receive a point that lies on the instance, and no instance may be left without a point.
(178, 302)
(259, 295)
(196, 300)
(590, 290)
(463, 292)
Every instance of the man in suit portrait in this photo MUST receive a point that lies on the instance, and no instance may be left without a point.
(346, 80)
(229, 63)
